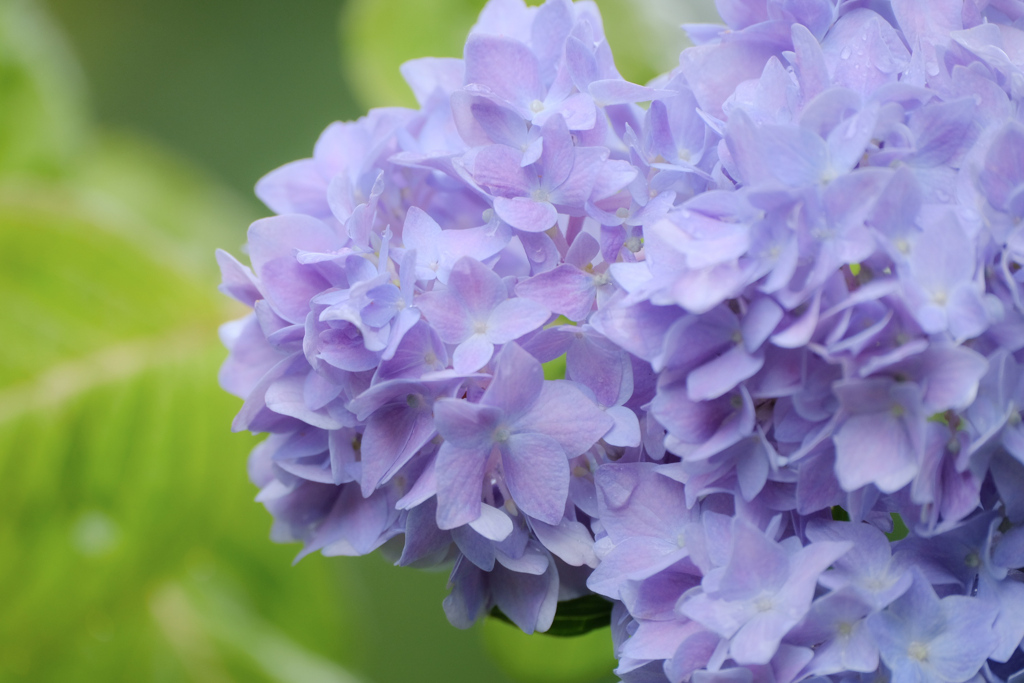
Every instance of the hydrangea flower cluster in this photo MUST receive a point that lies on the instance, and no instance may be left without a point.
(786, 280)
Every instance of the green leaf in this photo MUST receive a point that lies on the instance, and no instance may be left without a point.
(377, 37)
(123, 489)
(42, 105)
(899, 528)
(124, 478)
(73, 290)
(839, 514)
(574, 617)
(555, 369)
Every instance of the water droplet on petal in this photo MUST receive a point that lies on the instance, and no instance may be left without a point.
(845, 54)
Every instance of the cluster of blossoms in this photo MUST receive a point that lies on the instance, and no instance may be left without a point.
(786, 280)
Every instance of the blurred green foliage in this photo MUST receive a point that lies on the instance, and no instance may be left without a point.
(42, 120)
(130, 546)
(241, 85)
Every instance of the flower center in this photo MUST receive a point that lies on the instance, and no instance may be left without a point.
(876, 583)
(918, 651)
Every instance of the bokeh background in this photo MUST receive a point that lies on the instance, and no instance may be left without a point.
(131, 134)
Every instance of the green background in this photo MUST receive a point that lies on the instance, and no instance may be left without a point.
(131, 134)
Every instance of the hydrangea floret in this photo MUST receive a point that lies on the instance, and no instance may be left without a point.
(786, 282)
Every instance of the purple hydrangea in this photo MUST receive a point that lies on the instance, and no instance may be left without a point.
(787, 283)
